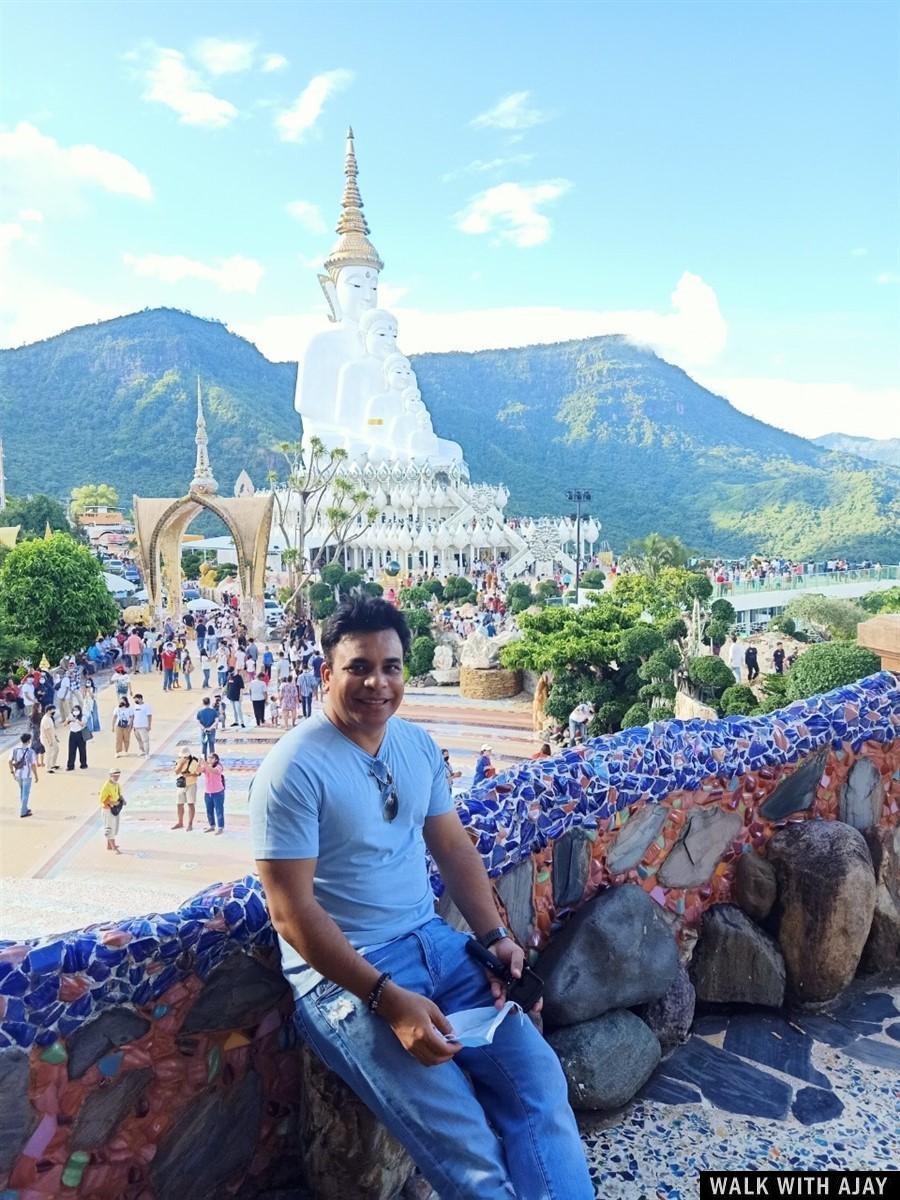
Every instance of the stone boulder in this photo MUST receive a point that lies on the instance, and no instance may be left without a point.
(606, 1061)
(755, 887)
(345, 1150)
(672, 1015)
(734, 962)
(238, 992)
(616, 951)
(17, 1117)
(705, 838)
(862, 795)
(826, 900)
(797, 791)
(882, 949)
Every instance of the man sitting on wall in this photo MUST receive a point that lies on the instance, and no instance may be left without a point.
(342, 811)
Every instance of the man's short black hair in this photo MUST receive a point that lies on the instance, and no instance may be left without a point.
(363, 614)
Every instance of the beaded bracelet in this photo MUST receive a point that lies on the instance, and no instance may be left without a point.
(375, 995)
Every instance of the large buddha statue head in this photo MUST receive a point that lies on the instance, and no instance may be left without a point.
(379, 332)
(398, 373)
(351, 285)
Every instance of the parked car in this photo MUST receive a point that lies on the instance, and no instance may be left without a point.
(274, 613)
(190, 593)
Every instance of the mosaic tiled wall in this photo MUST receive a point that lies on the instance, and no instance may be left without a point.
(124, 1048)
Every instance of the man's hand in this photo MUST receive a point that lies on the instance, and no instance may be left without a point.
(414, 1019)
(514, 958)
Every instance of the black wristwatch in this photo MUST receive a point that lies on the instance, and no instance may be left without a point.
(494, 935)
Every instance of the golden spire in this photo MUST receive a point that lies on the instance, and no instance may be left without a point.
(353, 247)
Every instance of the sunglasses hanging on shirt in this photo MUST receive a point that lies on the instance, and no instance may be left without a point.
(390, 801)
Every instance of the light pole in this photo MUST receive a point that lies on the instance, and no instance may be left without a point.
(578, 496)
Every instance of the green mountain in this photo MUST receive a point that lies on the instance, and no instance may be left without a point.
(114, 402)
(882, 450)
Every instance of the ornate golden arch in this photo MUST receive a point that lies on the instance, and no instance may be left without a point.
(160, 525)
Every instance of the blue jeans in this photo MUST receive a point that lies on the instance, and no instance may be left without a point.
(168, 678)
(237, 712)
(24, 793)
(215, 809)
(510, 1133)
(208, 742)
(306, 704)
(223, 675)
(187, 676)
(206, 677)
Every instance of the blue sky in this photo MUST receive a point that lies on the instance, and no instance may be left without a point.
(718, 180)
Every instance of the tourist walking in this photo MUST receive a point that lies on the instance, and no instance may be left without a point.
(49, 738)
(122, 681)
(751, 660)
(134, 651)
(205, 667)
(168, 658)
(234, 688)
(308, 686)
(91, 708)
(111, 803)
(735, 657)
(187, 668)
(258, 691)
(36, 744)
(214, 794)
(448, 769)
(484, 768)
(778, 659)
(23, 768)
(142, 723)
(77, 742)
(206, 719)
(123, 719)
(147, 652)
(187, 772)
(289, 698)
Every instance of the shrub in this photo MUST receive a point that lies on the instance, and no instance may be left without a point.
(722, 610)
(321, 600)
(421, 656)
(332, 573)
(373, 589)
(593, 577)
(638, 714)
(783, 624)
(878, 602)
(414, 597)
(774, 690)
(435, 587)
(418, 620)
(519, 597)
(348, 581)
(545, 589)
(708, 670)
(830, 665)
(716, 633)
(458, 590)
(737, 701)
(674, 629)
(639, 642)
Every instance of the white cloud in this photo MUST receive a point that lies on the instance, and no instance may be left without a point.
(887, 277)
(513, 112)
(692, 332)
(31, 214)
(512, 211)
(811, 409)
(307, 214)
(274, 62)
(221, 57)
(38, 166)
(235, 274)
(480, 166)
(294, 122)
(10, 231)
(859, 252)
(171, 81)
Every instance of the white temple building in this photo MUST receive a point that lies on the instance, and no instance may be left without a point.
(357, 391)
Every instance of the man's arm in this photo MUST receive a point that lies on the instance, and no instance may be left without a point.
(304, 924)
(467, 882)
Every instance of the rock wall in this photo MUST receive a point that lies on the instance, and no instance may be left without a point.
(489, 683)
(135, 1056)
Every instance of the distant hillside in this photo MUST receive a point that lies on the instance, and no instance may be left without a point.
(882, 450)
(114, 402)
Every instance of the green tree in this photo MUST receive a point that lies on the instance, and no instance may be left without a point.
(774, 692)
(321, 600)
(826, 614)
(414, 597)
(190, 563)
(314, 487)
(435, 587)
(737, 701)
(545, 590)
(418, 620)
(782, 624)
(519, 597)
(52, 593)
(638, 714)
(421, 656)
(708, 671)
(829, 665)
(458, 590)
(225, 571)
(92, 495)
(593, 577)
(882, 602)
(654, 552)
(34, 514)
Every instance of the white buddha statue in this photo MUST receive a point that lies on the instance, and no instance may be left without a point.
(363, 378)
(345, 393)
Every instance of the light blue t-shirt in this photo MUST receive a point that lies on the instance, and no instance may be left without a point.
(315, 797)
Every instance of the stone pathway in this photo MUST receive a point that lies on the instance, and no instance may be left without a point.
(753, 1091)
